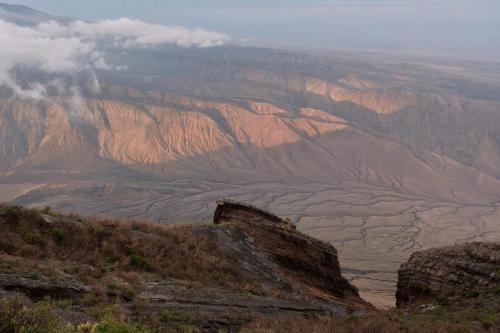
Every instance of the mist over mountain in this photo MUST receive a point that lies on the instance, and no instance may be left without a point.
(26, 16)
(379, 155)
(447, 28)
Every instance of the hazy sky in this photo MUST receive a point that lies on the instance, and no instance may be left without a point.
(453, 27)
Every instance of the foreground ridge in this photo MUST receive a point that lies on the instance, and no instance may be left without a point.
(249, 272)
(248, 264)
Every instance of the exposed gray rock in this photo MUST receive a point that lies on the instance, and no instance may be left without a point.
(453, 270)
(43, 286)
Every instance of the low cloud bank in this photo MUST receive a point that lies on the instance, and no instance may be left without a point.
(53, 48)
(134, 32)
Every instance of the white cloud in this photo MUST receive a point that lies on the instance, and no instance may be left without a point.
(140, 33)
(23, 47)
(32, 47)
(55, 49)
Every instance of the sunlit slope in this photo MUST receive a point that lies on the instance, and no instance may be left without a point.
(380, 158)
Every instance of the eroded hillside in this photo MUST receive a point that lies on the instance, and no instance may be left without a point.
(377, 157)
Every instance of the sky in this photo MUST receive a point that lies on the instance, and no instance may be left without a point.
(458, 28)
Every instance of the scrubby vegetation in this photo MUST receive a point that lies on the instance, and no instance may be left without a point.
(45, 316)
(461, 314)
(380, 323)
(17, 316)
(116, 258)
(107, 249)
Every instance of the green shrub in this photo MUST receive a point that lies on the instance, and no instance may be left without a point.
(13, 212)
(59, 234)
(129, 251)
(112, 289)
(7, 246)
(63, 303)
(188, 329)
(33, 239)
(102, 234)
(495, 291)
(140, 262)
(15, 316)
(120, 288)
(101, 311)
(90, 300)
(111, 325)
(129, 295)
(473, 293)
(33, 216)
(488, 321)
(86, 328)
(175, 319)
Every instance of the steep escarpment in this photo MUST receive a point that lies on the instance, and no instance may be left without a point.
(309, 263)
(214, 277)
(444, 273)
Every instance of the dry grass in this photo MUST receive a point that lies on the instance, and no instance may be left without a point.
(379, 323)
(18, 316)
(107, 249)
(44, 317)
(115, 256)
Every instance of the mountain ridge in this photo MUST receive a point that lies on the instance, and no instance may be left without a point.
(27, 16)
(377, 156)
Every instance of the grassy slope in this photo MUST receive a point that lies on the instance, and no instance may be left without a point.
(114, 257)
(94, 250)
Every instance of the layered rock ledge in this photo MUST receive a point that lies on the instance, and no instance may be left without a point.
(445, 272)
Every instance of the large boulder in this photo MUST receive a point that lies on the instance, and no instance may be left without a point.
(448, 271)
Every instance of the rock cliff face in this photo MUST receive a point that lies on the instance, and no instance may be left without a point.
(448, 271)
(230, 211)
(309, 264)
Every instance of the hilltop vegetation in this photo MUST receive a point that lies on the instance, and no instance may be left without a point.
(68, 274)
(59, 272)
(94, 250)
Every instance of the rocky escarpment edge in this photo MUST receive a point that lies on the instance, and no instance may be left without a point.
(441, 273)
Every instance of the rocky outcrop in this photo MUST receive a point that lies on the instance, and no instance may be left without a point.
(308, 264)
(39, 287)
(443, 272)
(231, 211)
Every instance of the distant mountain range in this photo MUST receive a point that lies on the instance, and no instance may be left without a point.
(23, 15)
(378, 156)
